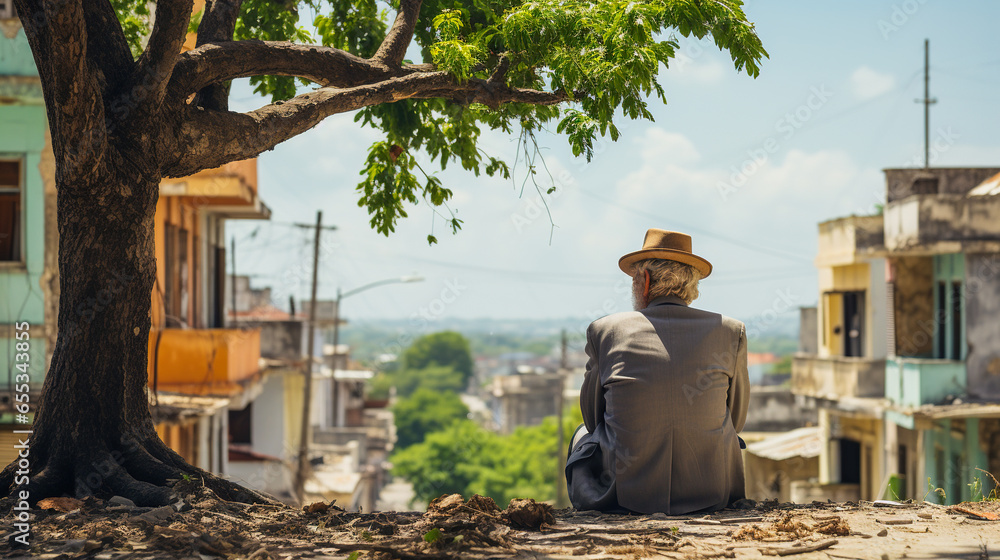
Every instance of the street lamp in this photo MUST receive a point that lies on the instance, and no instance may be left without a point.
(336, 329)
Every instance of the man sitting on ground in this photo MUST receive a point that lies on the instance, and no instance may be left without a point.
(664, 396)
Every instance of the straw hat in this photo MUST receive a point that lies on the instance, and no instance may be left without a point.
(668, 245)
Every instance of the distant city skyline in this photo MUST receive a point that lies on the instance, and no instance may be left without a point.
(747, 167)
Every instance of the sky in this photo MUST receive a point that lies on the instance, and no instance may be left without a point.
(746, 166)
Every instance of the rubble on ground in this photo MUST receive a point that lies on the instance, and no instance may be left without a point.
(200, 526)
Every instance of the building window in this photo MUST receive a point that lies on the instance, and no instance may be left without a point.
(240, 426)
(949, 341)
(854, 324)
(175, 292)
(7, 10)
(956, 320)
(850, 461)
(10, 209)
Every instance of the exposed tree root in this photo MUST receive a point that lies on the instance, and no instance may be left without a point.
(142, 470)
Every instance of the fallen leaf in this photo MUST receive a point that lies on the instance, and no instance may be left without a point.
(64, 505)
(980, 514)
(316, 507)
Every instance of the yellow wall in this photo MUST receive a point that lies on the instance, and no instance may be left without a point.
(294, 388)
(832, 280)
(849, 278)
(180, 213)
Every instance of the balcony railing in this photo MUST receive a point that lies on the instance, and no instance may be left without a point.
(837, 377)
(204, 361)
(919, 381)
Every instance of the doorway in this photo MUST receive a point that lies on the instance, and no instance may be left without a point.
(854, 323)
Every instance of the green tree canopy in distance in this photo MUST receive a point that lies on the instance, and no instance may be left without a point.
(446, 348)
(424, 412)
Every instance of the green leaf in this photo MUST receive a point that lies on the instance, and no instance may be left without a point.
(606, 56)
(432, 536)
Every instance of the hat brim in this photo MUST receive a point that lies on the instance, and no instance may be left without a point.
(627, 262)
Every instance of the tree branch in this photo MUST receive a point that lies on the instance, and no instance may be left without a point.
(57, 33)
(218, 22)
(157, 62)
(107, 44)
(393, 48)
(212, 138)
(217, 62)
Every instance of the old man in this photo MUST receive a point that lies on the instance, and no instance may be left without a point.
(665, 394)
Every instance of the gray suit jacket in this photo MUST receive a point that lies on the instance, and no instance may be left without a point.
(664, 396)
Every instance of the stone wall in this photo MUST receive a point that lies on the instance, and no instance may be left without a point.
(913, 305)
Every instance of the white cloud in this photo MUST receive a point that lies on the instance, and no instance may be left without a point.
(662, 146)
(696, 70)
(867, 83)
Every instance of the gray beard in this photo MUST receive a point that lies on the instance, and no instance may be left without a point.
(638, 302)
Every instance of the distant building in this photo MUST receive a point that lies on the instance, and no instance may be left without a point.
(351, 435)
(526, 398)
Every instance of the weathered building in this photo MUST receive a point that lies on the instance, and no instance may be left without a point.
(526, 398)
(907, 368)
(844, 376)
(29, 285)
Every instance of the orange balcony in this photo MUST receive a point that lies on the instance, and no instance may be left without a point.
(220, 362)
(233, 184)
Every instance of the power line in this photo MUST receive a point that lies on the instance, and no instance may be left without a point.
(700, 231)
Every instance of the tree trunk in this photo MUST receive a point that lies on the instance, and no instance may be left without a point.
(107, 443)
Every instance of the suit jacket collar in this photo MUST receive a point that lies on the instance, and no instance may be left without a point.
(666, 300)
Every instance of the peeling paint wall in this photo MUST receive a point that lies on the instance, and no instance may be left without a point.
(928, 219)
(913, 305)
(982, 306)
(899, 183)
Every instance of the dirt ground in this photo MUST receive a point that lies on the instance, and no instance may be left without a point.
(205, 528)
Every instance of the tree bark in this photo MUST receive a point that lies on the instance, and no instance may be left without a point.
(93, 433)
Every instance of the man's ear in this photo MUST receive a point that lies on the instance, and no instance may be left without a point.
(645, 290)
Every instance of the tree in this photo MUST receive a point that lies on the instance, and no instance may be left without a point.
(424, 412)
(447, 462)
(127, 108)
(434, 378)
(446, 348)
(466, 459)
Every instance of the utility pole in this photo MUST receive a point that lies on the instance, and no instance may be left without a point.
(336, 333)
(336, 361)
(927, 101)
(303, 470)
(233, 283)
(560, 405)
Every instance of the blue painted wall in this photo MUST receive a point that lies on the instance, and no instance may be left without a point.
(22, 136)
(951, 458)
